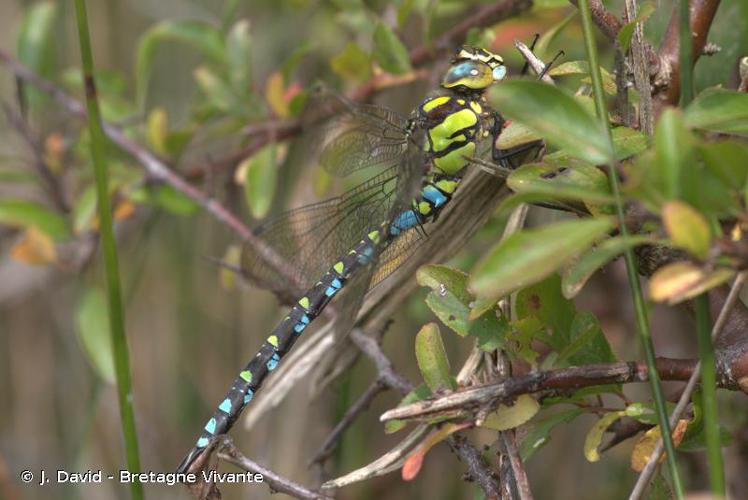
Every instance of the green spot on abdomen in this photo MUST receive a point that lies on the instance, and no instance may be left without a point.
(246, 375)
(273, 341)
(454, 161)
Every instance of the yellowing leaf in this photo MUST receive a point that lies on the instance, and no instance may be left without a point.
(508, 417)
(681, 281)
(646, 444)
(687, 228)
(124, 210)
(54, 151)
(275, 90)
(157, 130)
(595, 435)
(35, 248)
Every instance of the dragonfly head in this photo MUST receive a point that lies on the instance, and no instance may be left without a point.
(474, 68)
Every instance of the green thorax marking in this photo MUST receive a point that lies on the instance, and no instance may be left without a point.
(453, 124)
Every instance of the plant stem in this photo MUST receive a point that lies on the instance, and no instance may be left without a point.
(709, 396)
(642, 320)
(684, 54)
(109, 249)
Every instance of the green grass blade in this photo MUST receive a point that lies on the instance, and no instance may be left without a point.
(116, 316)
(642, 320)
(709, 397)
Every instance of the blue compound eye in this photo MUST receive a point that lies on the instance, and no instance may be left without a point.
(499, 72)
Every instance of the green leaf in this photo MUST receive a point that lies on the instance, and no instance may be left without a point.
(555, 115)
(21, 213)
(293, 60)
(432, 359)
(199, 35)
(389, 51)
(719, 110)
(449, 298)
(576, 181)
(628, 142)
(261, 180)
(157, 129)
(215, 89)
(418, 394)
(545, 40)
(645, 412)
(531, 255)
(583, 68)
(595, 435)
(627, 31)
(166, 197)
(540, 433)
(687, 228)
(544, 302)
(576, 275)
(239, 57)
(35, 41)
(352, 63)
(93, 333)
(728, 160)
(490, 330)
(587, 342)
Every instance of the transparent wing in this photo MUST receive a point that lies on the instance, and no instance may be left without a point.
(346, 136)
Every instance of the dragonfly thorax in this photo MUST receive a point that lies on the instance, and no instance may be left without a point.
(453, 124)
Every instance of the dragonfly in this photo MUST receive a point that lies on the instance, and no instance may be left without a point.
(353, 241)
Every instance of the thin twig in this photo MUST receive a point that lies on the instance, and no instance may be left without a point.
(52, 182)
(350, 416)
(231, 454)
(509, 441)
(685, 398)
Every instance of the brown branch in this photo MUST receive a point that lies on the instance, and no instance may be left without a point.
(277, 483)
(491, 395)
(668, 79)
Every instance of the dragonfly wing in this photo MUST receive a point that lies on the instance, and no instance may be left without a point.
(347, 136)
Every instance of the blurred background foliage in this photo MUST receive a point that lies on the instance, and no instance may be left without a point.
(193, 80)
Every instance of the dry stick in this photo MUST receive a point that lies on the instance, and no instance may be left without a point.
(477, 467)
(231, 454)
(646, 473)
(641, 74)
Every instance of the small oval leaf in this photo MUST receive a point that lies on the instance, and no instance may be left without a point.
(93, 333)
(260, 181)
(687, 228)
(27, 213)
(719, 110)
(389, 51)
(432, 358)
(681, 281)
(508, 417)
